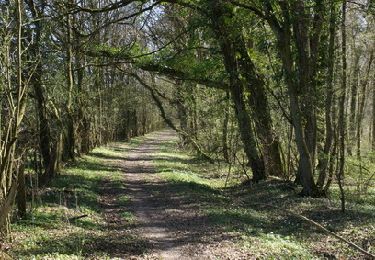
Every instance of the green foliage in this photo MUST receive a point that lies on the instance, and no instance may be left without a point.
(128, 216)
(267, 232)
(111, 51)
(123, 200)
(48, 233)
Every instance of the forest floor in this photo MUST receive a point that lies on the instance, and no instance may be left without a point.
(149, 200)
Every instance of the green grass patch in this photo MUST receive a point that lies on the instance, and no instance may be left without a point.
(128, 216)
(123, 200)
(276, 246)
(136, 141)
(48, 232)
(267, 233)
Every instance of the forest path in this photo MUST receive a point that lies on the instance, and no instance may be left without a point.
(164, 228)
(150, 214)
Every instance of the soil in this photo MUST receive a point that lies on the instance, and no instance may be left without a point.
(166, 226)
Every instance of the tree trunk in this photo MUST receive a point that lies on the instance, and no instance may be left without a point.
(373, 116)
(325, 155)
(45, 139)
(305, 163)
(258, 103)
(16, 108)
(21, 192)
(299, 75)
(242, 75)
(353, 103)
(224, 139)
(247, 133)
(182, 113)
(361, 103)
(341, 119)
(70, 128)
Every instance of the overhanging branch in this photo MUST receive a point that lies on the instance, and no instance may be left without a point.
(168, 121)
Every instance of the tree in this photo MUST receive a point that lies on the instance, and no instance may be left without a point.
(13, 109)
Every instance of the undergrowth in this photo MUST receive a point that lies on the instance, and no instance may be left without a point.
(265, 231)
(225, 204)
(49, 232)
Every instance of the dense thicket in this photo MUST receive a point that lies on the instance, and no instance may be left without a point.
(284, 87)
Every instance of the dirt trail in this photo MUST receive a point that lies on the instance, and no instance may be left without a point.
(167, 225)
(151, 218)
(152, 238)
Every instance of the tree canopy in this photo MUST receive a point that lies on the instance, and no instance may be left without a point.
(286, 89)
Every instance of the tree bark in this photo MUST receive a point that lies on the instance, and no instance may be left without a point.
(361, 103)
(46, 143)
(341, 119)
(21, 192)
(224, 139)
(353, 102)
(373, 116)
(182, 112)
(70, 124)
(243, 76)
(300, 71)
(325, 155)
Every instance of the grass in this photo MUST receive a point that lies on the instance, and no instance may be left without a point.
(123, 200)
(48, 234)
(223, 208)
(128, 216)
(276, 246)
(267, 232)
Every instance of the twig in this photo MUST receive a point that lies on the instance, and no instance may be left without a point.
(316, 224)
